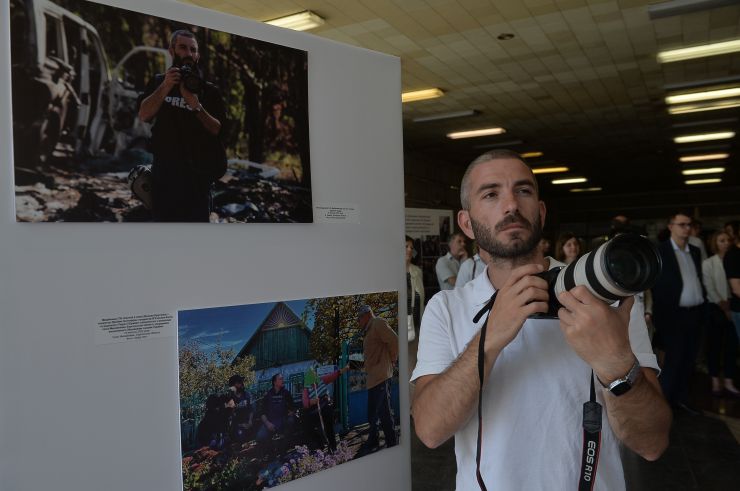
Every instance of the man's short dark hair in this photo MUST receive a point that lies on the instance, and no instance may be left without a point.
(236, 379)
(183, 33)
(675, 214)
(274, 378)
(498, 154)
(455, 234)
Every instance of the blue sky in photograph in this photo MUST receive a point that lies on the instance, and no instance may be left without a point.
(230, 326)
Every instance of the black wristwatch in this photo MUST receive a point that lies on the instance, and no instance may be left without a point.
(624, 384)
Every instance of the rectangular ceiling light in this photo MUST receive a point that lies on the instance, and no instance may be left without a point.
(702, 181)
(706, 106)
(701, 158)
(421, 95)
(531, 155)
(708, 170)
(570, 180)
(705, 95)
(680, 7)
(584, 190)
(473, 133)
(721, 135)
(700, 51)
(549, 170)
(302, 21)
(450, 115)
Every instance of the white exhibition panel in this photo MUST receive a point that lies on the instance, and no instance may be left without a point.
(79, 416)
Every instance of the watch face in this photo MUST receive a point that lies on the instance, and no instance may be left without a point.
(621, 388)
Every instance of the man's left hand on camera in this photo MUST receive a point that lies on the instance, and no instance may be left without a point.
(190, 99)
(598, 333)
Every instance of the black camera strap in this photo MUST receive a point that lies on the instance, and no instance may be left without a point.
(481, 369)
(591, 416)
(591, 440)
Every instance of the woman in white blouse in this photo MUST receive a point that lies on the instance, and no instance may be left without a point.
(721, 335)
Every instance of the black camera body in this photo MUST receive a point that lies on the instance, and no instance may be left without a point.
(550, 276)
(190, 77)
(621, 267)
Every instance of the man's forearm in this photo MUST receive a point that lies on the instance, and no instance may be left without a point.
(150, 105)
(211, 124)
(641, 418)
(443, 403)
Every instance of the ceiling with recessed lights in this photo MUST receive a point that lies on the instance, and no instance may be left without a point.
(576, 80)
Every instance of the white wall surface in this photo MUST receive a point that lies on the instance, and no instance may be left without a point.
(79, 416)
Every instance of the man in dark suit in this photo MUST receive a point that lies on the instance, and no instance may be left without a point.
(678, 302)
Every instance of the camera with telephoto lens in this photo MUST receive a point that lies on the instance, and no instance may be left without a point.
(621, 267)
(190, 77)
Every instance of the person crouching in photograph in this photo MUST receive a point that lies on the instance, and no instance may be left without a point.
(187, 114)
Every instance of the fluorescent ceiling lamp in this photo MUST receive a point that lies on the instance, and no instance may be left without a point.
(450, 115)
(706, 95)
(702, 181)
(701, 158)
(531, 155)
(721, 135)
(584, 190)
(302, 21)
(700, 51)
(473, 133)
(708, 170)
(681, 7)
(420, 95)
(549, 170)
(570, 180)
(707, 106)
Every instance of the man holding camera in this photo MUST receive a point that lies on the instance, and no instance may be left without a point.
(188, 155)
(538, 372)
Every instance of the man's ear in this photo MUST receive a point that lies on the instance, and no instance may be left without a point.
(463, 221)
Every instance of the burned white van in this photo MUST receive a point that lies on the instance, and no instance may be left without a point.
(67, 101)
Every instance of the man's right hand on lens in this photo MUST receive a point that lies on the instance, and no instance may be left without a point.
(521, 296)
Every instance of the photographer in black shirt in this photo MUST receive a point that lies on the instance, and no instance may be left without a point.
(188, 154)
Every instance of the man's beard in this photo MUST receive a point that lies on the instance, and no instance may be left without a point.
(517, 248)
(180, 61)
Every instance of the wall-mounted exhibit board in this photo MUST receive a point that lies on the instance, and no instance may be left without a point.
(79, 412)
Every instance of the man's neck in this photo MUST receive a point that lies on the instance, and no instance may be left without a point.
(681, 243)
(499, 269)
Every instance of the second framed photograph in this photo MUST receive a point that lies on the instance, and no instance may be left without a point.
(272, 392)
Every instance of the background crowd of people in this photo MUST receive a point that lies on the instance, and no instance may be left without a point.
(692, 313)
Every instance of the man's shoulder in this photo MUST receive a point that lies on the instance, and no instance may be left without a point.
(457, 297)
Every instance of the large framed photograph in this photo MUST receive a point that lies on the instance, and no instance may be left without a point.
(272, 392)
(120, 116)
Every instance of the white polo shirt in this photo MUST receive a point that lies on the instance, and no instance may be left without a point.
(533, 402)
(446, 267)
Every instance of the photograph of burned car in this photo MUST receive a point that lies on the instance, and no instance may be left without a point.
(120, 116)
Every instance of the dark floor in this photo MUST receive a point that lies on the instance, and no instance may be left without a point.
(703, 454)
